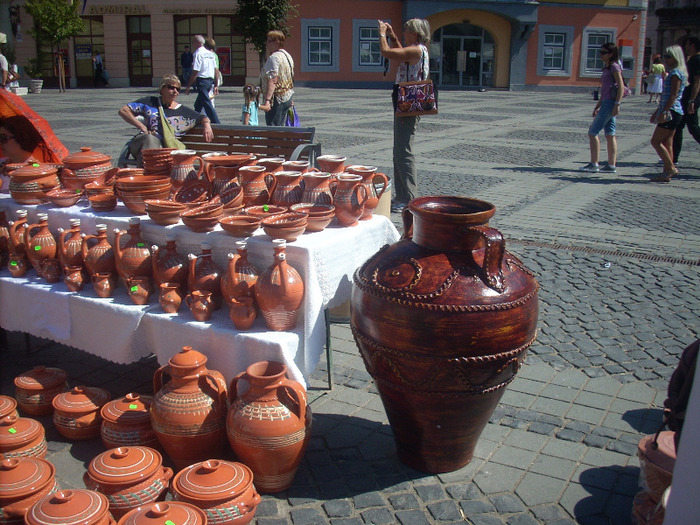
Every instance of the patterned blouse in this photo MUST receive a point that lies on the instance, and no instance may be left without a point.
(418, 71)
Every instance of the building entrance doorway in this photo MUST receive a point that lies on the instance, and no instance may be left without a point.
(466, 55)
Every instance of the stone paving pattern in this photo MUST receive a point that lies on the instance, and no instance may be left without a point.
(617, 261)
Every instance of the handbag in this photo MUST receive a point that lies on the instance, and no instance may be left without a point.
(169, 139)
(415, 98)
(292, 119)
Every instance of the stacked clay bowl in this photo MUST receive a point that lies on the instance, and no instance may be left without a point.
(288, 226)
(203, 218)
(83, 167)
(134, 191)
(157, 161)
(29, 184)
(320, 215)
(193, 192)
(240, 225)
(232, 199)
(264, 211)
(103, 202)
(164, 212)
(64, 198)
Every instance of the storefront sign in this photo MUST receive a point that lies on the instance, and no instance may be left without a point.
(83, 51)
(117, 9)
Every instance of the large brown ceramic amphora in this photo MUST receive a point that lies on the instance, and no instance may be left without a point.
(132, 256)
(98, 256)
(443, 319)
(189, 411)
(39, 243)
(269, 425)
(70, 245)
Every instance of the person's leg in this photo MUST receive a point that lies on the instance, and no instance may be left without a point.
(594, 144)
(691, 120)
(405, 181)
(142, 142)
(678, 139)
(662, 142)
(278, 113)
(203, 100)
(612, 150)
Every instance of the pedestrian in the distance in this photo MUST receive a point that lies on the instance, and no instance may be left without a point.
(690, 99)
(277, 80)
(98, 65)
(186, 59)
(655, 79)
(612, 88)
(251, 95)
(204, 75)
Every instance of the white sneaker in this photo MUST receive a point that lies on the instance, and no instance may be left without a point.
(608, 169)
(590, 168)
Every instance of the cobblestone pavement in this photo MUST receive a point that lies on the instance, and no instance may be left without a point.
(617, 260)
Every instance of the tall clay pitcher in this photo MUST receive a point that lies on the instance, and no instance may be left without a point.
(39, 243)
(443, 319)
(188, 413)
(257, 184)
(375, 184)
(350, 199)
(269, 425)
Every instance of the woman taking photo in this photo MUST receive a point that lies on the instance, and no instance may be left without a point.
(414, 64)
(668, 115)
(612, 88)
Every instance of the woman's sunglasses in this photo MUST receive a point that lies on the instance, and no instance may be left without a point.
(173, 88)
(4, 138)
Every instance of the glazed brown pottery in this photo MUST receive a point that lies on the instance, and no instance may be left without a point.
(104, 284)
(98, 257)
(139, 289)
(375, 184)
(415, 303)
(269, 425)
(39, 242)
(188, 413)
(264, 211)
(23, 482)
(271, 164)
(319, 215)
(160, 513)
(223, 489)
(657, 458)
(257, 186)
(64, 198)
(205, 274)
(200, 304)
(279, 291)
(88, 165)
(70, 245)
(4, 239)
(22, 437)
(16, 232)
(216, 159)
(36, 388)
(183, 166)
(349, 200)
(8, 406)
(317, 188)
(103, 202)
(18, 264)
(240, 276)
(243, 312)
(76, 413)
(331, 163)
(240, 225)
(50, 270)
(129, 476)
(29, 184)
(75, 506)
(288, 189)
(288, 226)
(74, 278)
(126, 422)
(302, 166)
(168, 265)
(170, 297)
(132, 256)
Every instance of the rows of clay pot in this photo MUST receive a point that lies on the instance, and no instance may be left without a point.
(233, 191)
(191, 418)
(196, 280)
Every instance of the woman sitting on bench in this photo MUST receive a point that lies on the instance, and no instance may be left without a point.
(180, 118)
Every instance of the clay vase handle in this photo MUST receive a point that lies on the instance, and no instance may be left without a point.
(384, 179)
(271, 183)
(158, 378)
(407, 218)
(299, 394)
(233, 388)
(356, 191)
(220, 389)
(493, 256)
(201, 165)
(333, 186)
(28, 235)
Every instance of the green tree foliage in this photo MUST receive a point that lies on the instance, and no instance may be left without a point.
(54, 21)
(257, 17)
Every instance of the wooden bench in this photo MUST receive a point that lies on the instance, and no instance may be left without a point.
(263, 141)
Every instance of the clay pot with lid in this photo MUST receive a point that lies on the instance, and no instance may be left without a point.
(36, 388)
(29, 184)
(160, 513)
(22, 437)
(77, 412)
(70, 507)
(188, 413)
(126, 422)
(223, 489)
(129, 476)
(8, 406)
(87, 165)
(23, 482)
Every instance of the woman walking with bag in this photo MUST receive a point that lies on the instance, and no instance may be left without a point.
(414, 64)
(669, 113)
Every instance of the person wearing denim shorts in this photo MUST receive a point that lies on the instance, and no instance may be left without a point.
(608, 107)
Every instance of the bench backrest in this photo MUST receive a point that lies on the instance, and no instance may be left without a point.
(263, 141)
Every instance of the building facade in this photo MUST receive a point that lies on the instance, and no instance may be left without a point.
(509, 44)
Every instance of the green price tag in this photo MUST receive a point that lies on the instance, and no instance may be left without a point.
(77, 191)
(37, 248)
(36, 164)
(12, 431)
(266, 207)
(13, 263)
(133, 407)
(140, 244)
(134, 288)
(169, 522)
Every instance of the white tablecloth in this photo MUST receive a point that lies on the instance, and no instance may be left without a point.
(119, 331)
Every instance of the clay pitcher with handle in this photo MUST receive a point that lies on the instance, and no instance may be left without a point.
(257, 184)
(240, 276)
(375, 184)
(133, 256)
(168, 264)
(16, 233)
(98, 257)
(350, 199)
(39, 243)
(70, 250)
(289, 188)
(205, 274)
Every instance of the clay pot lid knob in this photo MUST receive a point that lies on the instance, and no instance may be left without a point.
(9, 464)
(63, 496)
(210, 466)
(120, 453)
(158, 510)
(9, 421)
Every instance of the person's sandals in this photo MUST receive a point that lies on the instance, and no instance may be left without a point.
(666, 176)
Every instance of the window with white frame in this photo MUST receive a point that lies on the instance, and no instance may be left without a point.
(554, 52)
(369, 46)
(320, 45)
(593, 39)
(554, 45)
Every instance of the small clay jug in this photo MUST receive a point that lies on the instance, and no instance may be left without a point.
(23, 482)
(302, 166)
(139, 289)
(279, 291)
(205, 274)
(331, 163)
(36, 388)
(39, 242)
(70, 245)
(4, 238)
(200, 304)
(73, 506)
(289, 188)
(242, 312)
(51, 270)
(132, 256)
(22, 437)
(375, 184)
(350, 198)
(170, 297)
(74, 278)
(168, 265)
(183, 166)
(317, 188)
(18, 264)
(271, 164)
(240, 276)
(104, 284)
(189, 411)
(224, 178)
(269, 425)
(76, 413)
(16, 232)
(98, 257)
(257, 185)
(126, 422)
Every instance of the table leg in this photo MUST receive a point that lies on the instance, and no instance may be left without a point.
(329, 350)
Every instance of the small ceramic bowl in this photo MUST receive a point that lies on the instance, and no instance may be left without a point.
(288, 226)
(264, 211)
(208, 209)
(64, 198)
(93, 188)
(103, 202)
(164, 206)
(320, 215)
(200, 224)
(164, 218)
(240, 225)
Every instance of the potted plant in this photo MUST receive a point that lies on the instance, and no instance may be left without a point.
(33, 71)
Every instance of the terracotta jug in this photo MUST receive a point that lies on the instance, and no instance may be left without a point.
(170, 297)
(416, 303)
(104, 283)
(242, 312)
(279, 291)
(39, 242)
(240, 276)
(302, 166)
(257, 185)
(183, 166)
(126, 422)
(188, 413)
(98, 257)
(317, 188)
(223, 178)
(350, 198)
(74, 278)
(271, 164)
(168, 265)
(288, 189)
(18, 264)
(16, 232)
(375, 184)
(200, 304)
(205, 274)
(36, 388)
(139, 289)
(73, 506)
(76, 413)
(132, 256)
(331, 163)
(4, 239)
(23, 482)
(22, 437)
(70, 244)
(269, 424)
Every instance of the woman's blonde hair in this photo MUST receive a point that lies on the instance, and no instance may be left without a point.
(169, 80)
(676, 53)
(420, 27)
(277, 36)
